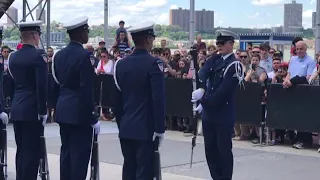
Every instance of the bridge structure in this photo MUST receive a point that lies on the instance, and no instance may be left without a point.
(275, 40)
(5, 5)
(46, 8)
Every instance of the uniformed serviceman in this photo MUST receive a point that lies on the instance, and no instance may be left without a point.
(73, 92)
(28, 110)
(1, 67)
(3, 116)
(140, 108)
(217, 101)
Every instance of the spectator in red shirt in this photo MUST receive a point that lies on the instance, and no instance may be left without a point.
(19, 46)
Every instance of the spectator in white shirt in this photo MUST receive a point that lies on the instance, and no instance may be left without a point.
(276, 62)
(105, 65)
(266, 60)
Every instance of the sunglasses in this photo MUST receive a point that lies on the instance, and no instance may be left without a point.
(165, 54)
(243, 57)
(271, 52)
(103, 56)
(255, 51)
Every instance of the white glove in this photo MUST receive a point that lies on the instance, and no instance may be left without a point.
(198, 108)
(4, 117)
(96, 128)
(160, 135)
(43, 118)
(197, 95)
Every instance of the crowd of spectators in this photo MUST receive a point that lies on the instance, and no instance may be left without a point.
(262, 64)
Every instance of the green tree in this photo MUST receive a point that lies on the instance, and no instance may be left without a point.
(173, 32)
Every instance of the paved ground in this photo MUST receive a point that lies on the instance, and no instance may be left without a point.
(251, 162)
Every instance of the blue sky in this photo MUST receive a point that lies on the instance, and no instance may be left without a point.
(250, 13)
(234, 13)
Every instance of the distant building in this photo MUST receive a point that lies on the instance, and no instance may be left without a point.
(55, 38)
(277, 29)
(13, 13)
(292, 17)
(314, 20)
(180, 17)
(11, 44)
(204, 20)
(95, 41)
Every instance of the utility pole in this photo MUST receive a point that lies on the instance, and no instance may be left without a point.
(24, 10)
(192, 29)
(48, 23)
(106, 25)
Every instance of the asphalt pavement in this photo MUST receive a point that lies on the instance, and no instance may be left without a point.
(250, 162)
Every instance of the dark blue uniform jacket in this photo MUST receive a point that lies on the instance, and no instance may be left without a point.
(29, 72)
(218, 101)
(140, 104)
(73, 92)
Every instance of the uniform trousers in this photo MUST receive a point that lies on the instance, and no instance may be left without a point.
(138, 159)
(3, 143)
(76, 145)
(27, 136)
(218, 150)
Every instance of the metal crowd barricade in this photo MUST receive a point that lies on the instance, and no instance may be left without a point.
(178, 97)
(248, 105)
(295, 108)
(249, 110)
(103, 92)
(107, 90)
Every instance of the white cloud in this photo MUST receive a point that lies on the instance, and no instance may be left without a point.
(131, 11)
(260, 26)
(265, 2)
(307, 13)
(254, 16)
(163, 19)
(313, 2)
(173, 6)
(218, 19)
(307, 24)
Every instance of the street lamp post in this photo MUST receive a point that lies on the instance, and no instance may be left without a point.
(191, 29)
(106, 25)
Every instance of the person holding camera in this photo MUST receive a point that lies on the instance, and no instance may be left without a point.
(276, 63)
(278, 75)
(257, 74)
(202, 57)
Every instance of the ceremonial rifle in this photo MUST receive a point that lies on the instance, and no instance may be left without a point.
(3, 152)
(43, 165)
(156, 160)
(195, 81)
(94, 173)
